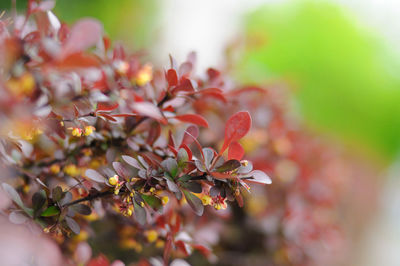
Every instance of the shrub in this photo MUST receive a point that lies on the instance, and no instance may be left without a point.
(92, 133)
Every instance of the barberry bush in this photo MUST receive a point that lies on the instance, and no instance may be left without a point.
(91, 134)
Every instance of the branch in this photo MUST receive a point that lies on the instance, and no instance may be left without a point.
(89, 198)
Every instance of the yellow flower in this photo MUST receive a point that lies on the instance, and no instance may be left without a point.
(129, 212)
(82, 236)
(151, 235)
(113, 180)
(131, 244)
(76, 132)
(55, 168)
(144, 75)
(89, 130)
(206, 200)
(164, 200)
(71, 170)
(160, 243)
(152, 190)
(23, 85)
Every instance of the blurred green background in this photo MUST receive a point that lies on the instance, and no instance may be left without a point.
(346, 80)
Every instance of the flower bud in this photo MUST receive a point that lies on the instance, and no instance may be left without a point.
(113, 180)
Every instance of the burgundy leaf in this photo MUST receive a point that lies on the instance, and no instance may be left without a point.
(121, 170)
(236, 128)
(194, 119)
(84, 34)
(106, 107)
(172, 77)
(235, 151)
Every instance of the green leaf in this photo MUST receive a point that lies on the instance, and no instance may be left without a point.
(82, 209)
(171, 166)
(152, 201)
(229, 166)
(184, 178)
(50, 211)
(194, 202)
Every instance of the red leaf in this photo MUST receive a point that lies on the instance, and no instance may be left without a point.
(78, 60)
(194, 133)
(100, 260)
(236, 128)
(184, 85)
(84, 34)
(193, 118)
(154, 133)
(106, 107)
(171, 140)
(222, 175)
(108, 117)
(167, 249)
(235, 151)
(189, 152)
(148, 109)
(181, 246)
(202, 249)
(172, 77)
(76, 111)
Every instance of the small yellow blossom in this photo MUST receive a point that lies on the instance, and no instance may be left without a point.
(82, 236)
(89, 130)
(151, 235)
(206, 200)
(164, 200)
(55, 168)
(76, 132)
(131, 244)
(160, 243)
(71, 170)
(144, 75)
(23, 85)
(152, 190)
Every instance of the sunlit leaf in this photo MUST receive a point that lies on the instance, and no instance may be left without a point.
(50, 211)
